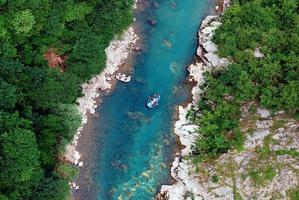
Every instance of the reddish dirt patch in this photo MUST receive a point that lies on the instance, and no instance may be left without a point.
(54, 60)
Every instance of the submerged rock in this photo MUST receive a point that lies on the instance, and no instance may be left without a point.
(155, 4)
(172, 3)
(152, 21)
(140, 80)
(124, 168)
(167, 43)
(146, 174)
(139, 116)
(173, 67)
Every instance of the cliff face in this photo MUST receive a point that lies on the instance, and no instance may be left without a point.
(207, 49)
(267, 165)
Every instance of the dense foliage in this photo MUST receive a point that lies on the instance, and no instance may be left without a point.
(37, 102)
(272, 26)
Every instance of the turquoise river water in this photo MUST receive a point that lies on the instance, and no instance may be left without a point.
(135, 145)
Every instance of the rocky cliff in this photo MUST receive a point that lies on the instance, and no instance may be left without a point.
(266, 167)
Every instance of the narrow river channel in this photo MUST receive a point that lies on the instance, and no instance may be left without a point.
(134, 144)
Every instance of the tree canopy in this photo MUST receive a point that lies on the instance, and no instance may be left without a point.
(38, 115)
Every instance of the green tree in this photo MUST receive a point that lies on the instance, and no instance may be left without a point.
(77, 11)
(272, 26)
(37, 115)
(48, 87)
(215, 127)
(70, 119)
(7, 49)
(3, 29)
(10, 121)
(23, 22)
(2, 2)
(52, 189)
(56, 129)
(88, 57)
(19, 157)
(245, 88)
(289, 96)
(8, 95)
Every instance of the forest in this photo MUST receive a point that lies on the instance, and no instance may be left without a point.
(272, 80)
(48, 49)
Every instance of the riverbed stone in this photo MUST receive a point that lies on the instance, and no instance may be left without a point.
(155, 4)
(152, 21)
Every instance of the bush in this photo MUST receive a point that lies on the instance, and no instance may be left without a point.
(272, 80)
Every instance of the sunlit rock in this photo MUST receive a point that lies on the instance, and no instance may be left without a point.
(263, 113)
(207, 49)
(256, 139)
(263, 124)
(258, 54)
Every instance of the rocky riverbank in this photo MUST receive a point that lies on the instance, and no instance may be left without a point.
(118, 52)
(182, 169)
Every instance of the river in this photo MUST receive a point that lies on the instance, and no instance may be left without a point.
(135, 145)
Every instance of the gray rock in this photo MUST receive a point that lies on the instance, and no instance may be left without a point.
(207, 49)
(210, 46)
(263, 124)
(258, 54)
(155, 4)
(257, 139)
(245, 109)
(263, 113)
(216, 61)
(152, 21)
